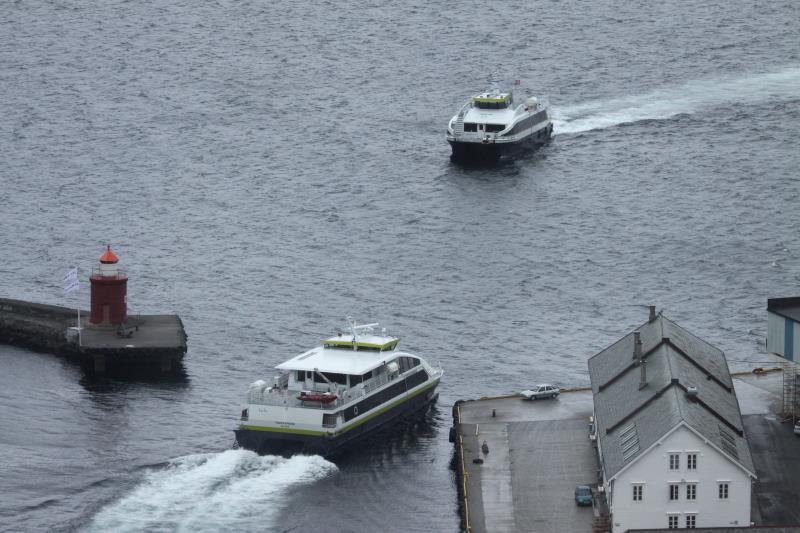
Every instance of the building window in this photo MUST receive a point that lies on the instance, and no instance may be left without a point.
(691, 521)
(638, 493)
(691, 461)
(674, 461)
(672, 521)
(723, 491)
(691, 491)
(673, 491)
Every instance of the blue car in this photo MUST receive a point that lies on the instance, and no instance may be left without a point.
(583, 495)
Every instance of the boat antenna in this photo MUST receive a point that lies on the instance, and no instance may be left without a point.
(494, 81)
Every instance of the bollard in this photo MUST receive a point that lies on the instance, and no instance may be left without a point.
(494, 413)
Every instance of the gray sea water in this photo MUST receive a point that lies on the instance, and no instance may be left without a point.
(266, 169)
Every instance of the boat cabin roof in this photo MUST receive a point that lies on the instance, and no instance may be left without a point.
(341, 360)
(492, 100)
(362, 341)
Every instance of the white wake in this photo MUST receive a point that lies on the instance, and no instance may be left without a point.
(688, 98)
(235, 490)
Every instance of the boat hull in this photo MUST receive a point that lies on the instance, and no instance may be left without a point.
(492, 151)
(287, 442)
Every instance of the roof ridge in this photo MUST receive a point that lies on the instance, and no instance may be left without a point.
(702, 403)
(633, 364)
(674, 382)
(693, 335)
(709, 375)
(641, 406)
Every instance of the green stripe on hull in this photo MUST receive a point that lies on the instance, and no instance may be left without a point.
(384, 409)
(286, 430)
(314, 433)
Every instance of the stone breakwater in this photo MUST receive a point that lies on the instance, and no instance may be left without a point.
(146, 344)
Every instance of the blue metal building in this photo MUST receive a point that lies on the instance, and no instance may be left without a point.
(783, 327)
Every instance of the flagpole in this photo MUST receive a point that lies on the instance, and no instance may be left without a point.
(73, 284)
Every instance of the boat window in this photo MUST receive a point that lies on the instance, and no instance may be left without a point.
(355, 379)
(310, 374)
(495, 127)
(368, 375)
(301, 374)
(491, 105)
(470, 126)
(407, 363)
(341, 379)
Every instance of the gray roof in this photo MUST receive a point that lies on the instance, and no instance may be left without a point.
(629, 419)
(786, 307)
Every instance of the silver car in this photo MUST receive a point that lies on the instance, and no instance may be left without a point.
(543, 390)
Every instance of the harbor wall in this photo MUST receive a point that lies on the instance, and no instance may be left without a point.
(146, 344)
(38, 327)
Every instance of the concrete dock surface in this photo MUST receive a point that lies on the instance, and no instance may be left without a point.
(538, 451)
(151, 331)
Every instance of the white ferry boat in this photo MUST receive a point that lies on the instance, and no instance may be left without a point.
(494, 123)
(331, 395)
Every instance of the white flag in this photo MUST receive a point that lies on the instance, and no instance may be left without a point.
(71, 282)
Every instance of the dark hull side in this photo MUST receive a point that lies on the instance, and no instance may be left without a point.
(268, 442)
(470, 151)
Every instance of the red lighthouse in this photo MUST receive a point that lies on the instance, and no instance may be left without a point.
(109, 287)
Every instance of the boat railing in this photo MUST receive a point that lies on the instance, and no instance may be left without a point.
(282, 396)
(436, 367)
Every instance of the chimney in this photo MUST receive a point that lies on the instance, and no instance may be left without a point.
(652, 313)
(691, 392)
(637, 356)
(643, 378)
(637, 346)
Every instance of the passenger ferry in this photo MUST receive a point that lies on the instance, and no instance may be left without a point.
(331, 395)
(494, 123)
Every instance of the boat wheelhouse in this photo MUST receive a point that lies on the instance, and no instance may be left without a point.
(331, 395)
(494, 123)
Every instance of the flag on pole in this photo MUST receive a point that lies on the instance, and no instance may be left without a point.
(71, 282)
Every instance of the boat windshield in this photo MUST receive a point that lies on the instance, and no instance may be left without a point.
(485, 104)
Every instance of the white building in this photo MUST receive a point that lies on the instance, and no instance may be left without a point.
(672, 447)
(783, 327)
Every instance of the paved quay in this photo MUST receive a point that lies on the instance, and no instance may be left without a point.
(538, 451)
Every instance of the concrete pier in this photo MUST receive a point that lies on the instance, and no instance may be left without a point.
(146, 344)
(536, 452)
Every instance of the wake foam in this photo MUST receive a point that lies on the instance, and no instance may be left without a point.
(235, 490)
(688, 98)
